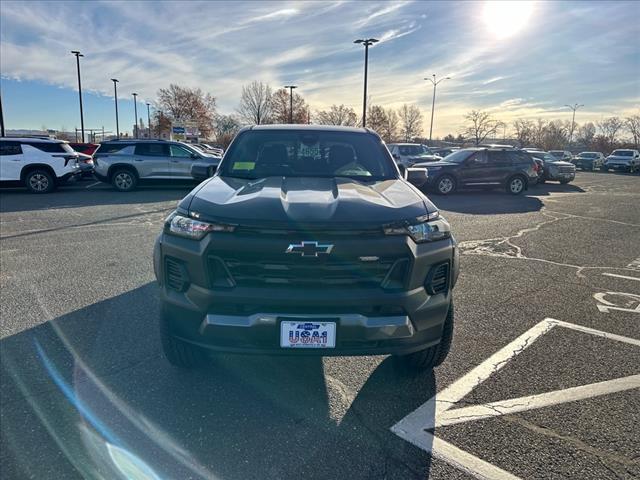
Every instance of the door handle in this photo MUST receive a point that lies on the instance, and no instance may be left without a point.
(137, 159)
(173, 161)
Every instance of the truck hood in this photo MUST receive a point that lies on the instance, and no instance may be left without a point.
(296, 201)
(561, 163)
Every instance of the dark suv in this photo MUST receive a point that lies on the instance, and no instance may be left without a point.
(482, 167)
(307, 240)
(125, 163)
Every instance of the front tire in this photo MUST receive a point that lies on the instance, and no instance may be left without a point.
(431, 357)
(445, 185)
(179, 354)
(39, 181)
(124, 180)
(516, 185)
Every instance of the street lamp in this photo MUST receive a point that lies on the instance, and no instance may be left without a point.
(573, 107)
(78, 55)
(367, 43)
(115, 94)
(290, 87)
(148, 120)
(135, 110)
(435, 82)
(1, 118)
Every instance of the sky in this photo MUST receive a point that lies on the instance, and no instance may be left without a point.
(515, 59)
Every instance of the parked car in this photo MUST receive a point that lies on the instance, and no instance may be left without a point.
(86, 164)
(623, 159)
(482, 167)
(307, 240)
(206, 147)
(125, 163)
(552, 168)
(589, 160)
(407, 154)
(563, 155)
(443, 152)
(40, 164)
(86, 148)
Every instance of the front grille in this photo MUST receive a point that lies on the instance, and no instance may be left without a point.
(175, 275)
(315, 272)
(438, 279)
(566, 169)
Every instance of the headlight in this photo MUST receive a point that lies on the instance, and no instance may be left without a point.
(182, 226)
(427, 228)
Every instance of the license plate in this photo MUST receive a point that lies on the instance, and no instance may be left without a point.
(307, 334)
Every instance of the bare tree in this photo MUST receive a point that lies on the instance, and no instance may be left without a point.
(391, 126)
(480, 125)
(411, 121)
(633, 126)
(337, 115)
(586, 134)
(280, 107)
(186, 104)
(376, 118)
(609, 128)
(556, 135)
(255, 103)
(225, 127)
(525, 132)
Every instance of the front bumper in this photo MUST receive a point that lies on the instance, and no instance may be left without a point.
(625, 167)
(245, 319)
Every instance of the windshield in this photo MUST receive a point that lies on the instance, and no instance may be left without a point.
(588, 155)
(623, 153)
(413, 150)
(459, 156)
(291, 153)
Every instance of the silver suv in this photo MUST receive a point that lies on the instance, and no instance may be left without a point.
(126, 163)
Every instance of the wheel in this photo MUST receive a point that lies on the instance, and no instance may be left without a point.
(445, 185)
(564, 182)
(516, 185)
(180, 354)
(39, 181)
(433, 356)
(124, 180)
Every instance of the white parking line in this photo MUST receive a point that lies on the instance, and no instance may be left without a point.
(621, 276)
(418, 427)
(635, 265)
(92, 185)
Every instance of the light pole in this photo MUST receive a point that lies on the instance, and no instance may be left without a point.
(367, 43)
(1, 118)
(78, 55)
(135, 110)
(115, 94)
(435, 82)
(148, 120)
(290, 87)
(573, 107)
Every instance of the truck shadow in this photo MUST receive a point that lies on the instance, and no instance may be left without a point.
(90, 393)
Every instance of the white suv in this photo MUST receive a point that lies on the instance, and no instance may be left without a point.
(40, 164)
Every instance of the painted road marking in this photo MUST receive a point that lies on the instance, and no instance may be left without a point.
(605, 306)
(635, 265)
(418, 427)
(92, 185)
(621, 276)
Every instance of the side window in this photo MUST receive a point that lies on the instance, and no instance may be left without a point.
(178, 151)
(478, 159)
(500, 158)
(519, 157)
(151, 150)
(113, 147)
(10, 148)
(48, 147)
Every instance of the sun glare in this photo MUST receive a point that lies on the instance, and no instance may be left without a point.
(506, 18)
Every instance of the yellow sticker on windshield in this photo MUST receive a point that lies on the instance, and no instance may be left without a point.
(244, 165)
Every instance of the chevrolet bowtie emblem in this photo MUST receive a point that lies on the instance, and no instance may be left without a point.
(309, 249)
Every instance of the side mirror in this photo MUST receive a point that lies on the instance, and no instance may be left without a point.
(396, 156)
(202, 171)
(195, 155)
(416, 176)
(403, 171)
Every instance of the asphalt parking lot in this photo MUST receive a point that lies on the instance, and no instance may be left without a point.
(543, 380)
